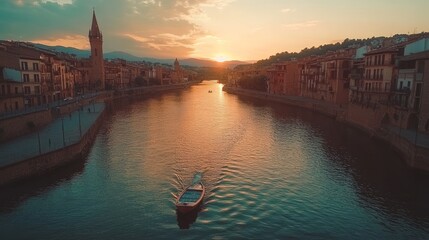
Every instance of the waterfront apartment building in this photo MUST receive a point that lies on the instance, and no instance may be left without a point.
(411, 92)
(30, 77)
(326, 77)
(337, 70)
(284, 78)
(11, 95)
(312, 78)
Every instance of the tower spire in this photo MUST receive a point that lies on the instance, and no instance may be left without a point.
(95, 30)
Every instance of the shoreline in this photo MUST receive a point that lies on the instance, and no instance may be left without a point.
(416, 156)
(50, 161)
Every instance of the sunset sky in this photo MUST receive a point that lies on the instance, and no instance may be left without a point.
(215, 29)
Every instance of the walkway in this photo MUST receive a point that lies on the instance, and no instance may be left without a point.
(43, 107)
(62, 132)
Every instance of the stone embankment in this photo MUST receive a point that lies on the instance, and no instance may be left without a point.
(413, 147)
(78, 134)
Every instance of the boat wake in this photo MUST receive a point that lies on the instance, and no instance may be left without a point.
(197, 178)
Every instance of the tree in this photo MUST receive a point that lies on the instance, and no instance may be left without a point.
(258, 82)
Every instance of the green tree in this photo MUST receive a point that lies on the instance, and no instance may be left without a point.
(258, 82)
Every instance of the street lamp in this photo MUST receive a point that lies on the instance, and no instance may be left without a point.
(80, 125)
(38, 138)
(62, 127)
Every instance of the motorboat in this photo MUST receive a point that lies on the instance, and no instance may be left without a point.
(190, 198)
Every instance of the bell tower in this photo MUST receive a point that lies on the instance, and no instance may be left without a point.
(97, 60)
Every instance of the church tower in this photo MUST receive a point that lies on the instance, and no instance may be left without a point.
(176, 66)
(97, 60)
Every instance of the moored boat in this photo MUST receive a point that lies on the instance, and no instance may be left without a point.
(190, 198)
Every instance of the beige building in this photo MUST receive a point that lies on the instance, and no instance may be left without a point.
(30, 73)
(326, 77)
(411, 95)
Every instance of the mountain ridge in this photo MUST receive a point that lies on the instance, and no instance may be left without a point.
(195, 62)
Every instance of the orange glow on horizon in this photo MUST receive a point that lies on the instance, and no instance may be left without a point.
(220, 58)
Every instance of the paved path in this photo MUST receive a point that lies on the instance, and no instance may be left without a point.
(51, 137)
(43, 107)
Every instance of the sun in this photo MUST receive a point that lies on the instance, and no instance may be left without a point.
(220, 58)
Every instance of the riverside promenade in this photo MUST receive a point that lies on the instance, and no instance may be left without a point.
(66, 138)
(64, 131)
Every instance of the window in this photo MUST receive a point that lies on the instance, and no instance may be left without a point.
(382, 59)
(418, 89)
(27, 90)
(26, 78)
(24, 66)
(37, 90)
(420, 66)
(8, 89)
(3, 91)
(16, 105)
(36, 78)
(16, 90)
(381, 73)
(35, 66)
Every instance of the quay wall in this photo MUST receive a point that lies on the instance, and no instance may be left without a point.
(46, 162)
(415, 156)
(23, 124)
(18, 126)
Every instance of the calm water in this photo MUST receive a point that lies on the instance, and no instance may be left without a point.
(271, 172)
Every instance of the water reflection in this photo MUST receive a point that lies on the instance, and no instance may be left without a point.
(270, 171)
(185, 220)
(382, 180)
(13, 195)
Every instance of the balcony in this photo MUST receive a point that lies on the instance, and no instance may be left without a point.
(402, 91)
(11, 95)
(332, 66)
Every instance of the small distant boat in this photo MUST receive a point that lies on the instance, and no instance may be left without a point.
(210, 91)
(190, 198)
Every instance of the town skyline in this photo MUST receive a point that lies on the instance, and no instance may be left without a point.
(213, 29)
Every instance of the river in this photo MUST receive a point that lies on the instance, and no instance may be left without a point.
(271, 172)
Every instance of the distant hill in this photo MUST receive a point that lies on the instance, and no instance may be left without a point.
(374, 42)
(73, 51)
(129, 57)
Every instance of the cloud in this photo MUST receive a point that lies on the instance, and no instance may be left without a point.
(38, 2)
(142, 27)
(288, 10)
(76, 41)
(306, 24)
